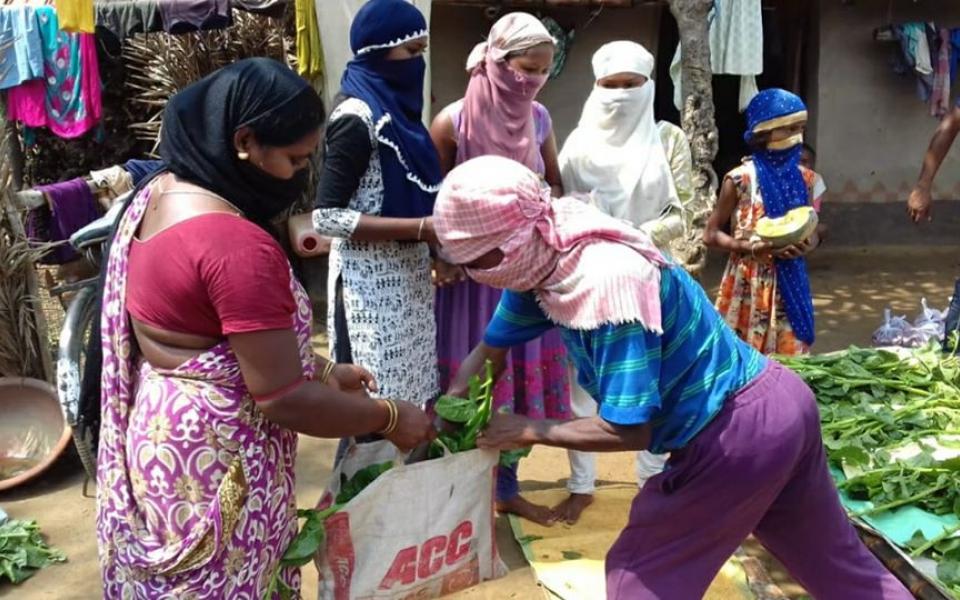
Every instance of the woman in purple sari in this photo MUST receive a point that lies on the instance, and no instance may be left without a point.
(207, 370)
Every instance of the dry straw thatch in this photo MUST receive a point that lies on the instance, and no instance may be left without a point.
(160, 65)
(20, 342)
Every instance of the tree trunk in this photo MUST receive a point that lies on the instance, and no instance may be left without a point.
(698, 123)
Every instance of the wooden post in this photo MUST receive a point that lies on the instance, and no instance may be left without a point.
(698, 122)
(14, 151)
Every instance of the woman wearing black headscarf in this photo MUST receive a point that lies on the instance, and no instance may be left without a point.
(207, 369)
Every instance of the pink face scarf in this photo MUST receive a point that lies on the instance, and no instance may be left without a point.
(497, 113)
(586, 268)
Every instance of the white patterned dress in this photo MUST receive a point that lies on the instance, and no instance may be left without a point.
(387, 294)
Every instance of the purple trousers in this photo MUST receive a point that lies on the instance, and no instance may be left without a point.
(759, 467)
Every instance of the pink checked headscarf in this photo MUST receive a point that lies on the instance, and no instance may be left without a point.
(497, 115)
(586, 268)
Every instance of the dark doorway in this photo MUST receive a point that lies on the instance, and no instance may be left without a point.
(788, 32)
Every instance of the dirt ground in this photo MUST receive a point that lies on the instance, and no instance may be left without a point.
(851, 285)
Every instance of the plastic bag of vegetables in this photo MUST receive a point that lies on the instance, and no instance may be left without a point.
(894, 331)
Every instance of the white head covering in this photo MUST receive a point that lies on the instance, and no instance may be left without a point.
(512, 32)
(615, 153)
(622, 57)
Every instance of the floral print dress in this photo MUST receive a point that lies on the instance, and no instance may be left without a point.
(748, 300)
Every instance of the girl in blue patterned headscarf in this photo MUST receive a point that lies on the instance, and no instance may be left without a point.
(783, 188)
(765, 293)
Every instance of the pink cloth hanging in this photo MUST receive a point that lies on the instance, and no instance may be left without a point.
(67, 100)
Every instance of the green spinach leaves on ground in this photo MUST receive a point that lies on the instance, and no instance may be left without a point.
(23, 551)
(886, 419)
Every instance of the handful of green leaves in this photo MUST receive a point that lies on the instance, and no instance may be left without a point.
(470, 414)
(884, 417)
(23, 551)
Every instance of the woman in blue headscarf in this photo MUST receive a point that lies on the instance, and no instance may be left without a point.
(765, 294)
(377, 187)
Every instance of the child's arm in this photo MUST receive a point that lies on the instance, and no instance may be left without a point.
(715, 237)
(819, 194)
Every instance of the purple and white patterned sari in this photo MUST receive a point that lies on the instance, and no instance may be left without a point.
(195, 488)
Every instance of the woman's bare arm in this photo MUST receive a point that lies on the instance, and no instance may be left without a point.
(271, 369)
(445, 140)
(552, 165)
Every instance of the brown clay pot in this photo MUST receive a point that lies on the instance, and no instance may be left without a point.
(33, 432)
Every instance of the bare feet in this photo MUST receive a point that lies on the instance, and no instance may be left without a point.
(569, 510)
(518, 505)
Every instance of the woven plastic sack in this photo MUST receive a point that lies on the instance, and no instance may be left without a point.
(419, 531)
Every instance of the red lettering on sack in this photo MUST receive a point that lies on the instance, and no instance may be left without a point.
(415, 563)
(459, 545)
(340, 554)
(431, 556)
(403, 571)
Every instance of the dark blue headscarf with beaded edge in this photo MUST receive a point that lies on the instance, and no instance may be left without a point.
(393, 89)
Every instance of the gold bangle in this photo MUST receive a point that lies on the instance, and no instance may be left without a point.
(392, 420)
(395, 417)
(327, 371)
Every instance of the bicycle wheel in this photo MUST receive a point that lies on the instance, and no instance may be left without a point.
(71, 359)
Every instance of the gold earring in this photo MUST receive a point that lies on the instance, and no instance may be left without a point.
(243, 155)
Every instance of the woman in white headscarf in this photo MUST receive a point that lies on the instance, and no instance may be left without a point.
(619, 154)
(633, 169)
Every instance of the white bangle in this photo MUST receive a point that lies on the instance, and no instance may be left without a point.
(420, 229)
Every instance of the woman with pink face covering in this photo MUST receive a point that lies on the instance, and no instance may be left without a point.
(498, 116)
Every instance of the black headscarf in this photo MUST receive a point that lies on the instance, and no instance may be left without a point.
(199, 123)
(196, 143)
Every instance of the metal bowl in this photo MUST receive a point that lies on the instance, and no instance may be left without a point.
(33, 432)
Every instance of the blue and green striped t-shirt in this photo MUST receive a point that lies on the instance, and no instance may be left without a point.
(676, 381)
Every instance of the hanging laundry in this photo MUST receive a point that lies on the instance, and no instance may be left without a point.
(914, 56)
(21, 49)
(70, 206)
(67, 99)
(940, 98)
(75, 16)
(309, 49)
(736, 47)
(121, 19)
(268, 8)
(181, 16)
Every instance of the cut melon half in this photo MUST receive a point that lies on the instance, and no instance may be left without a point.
(792, 228)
